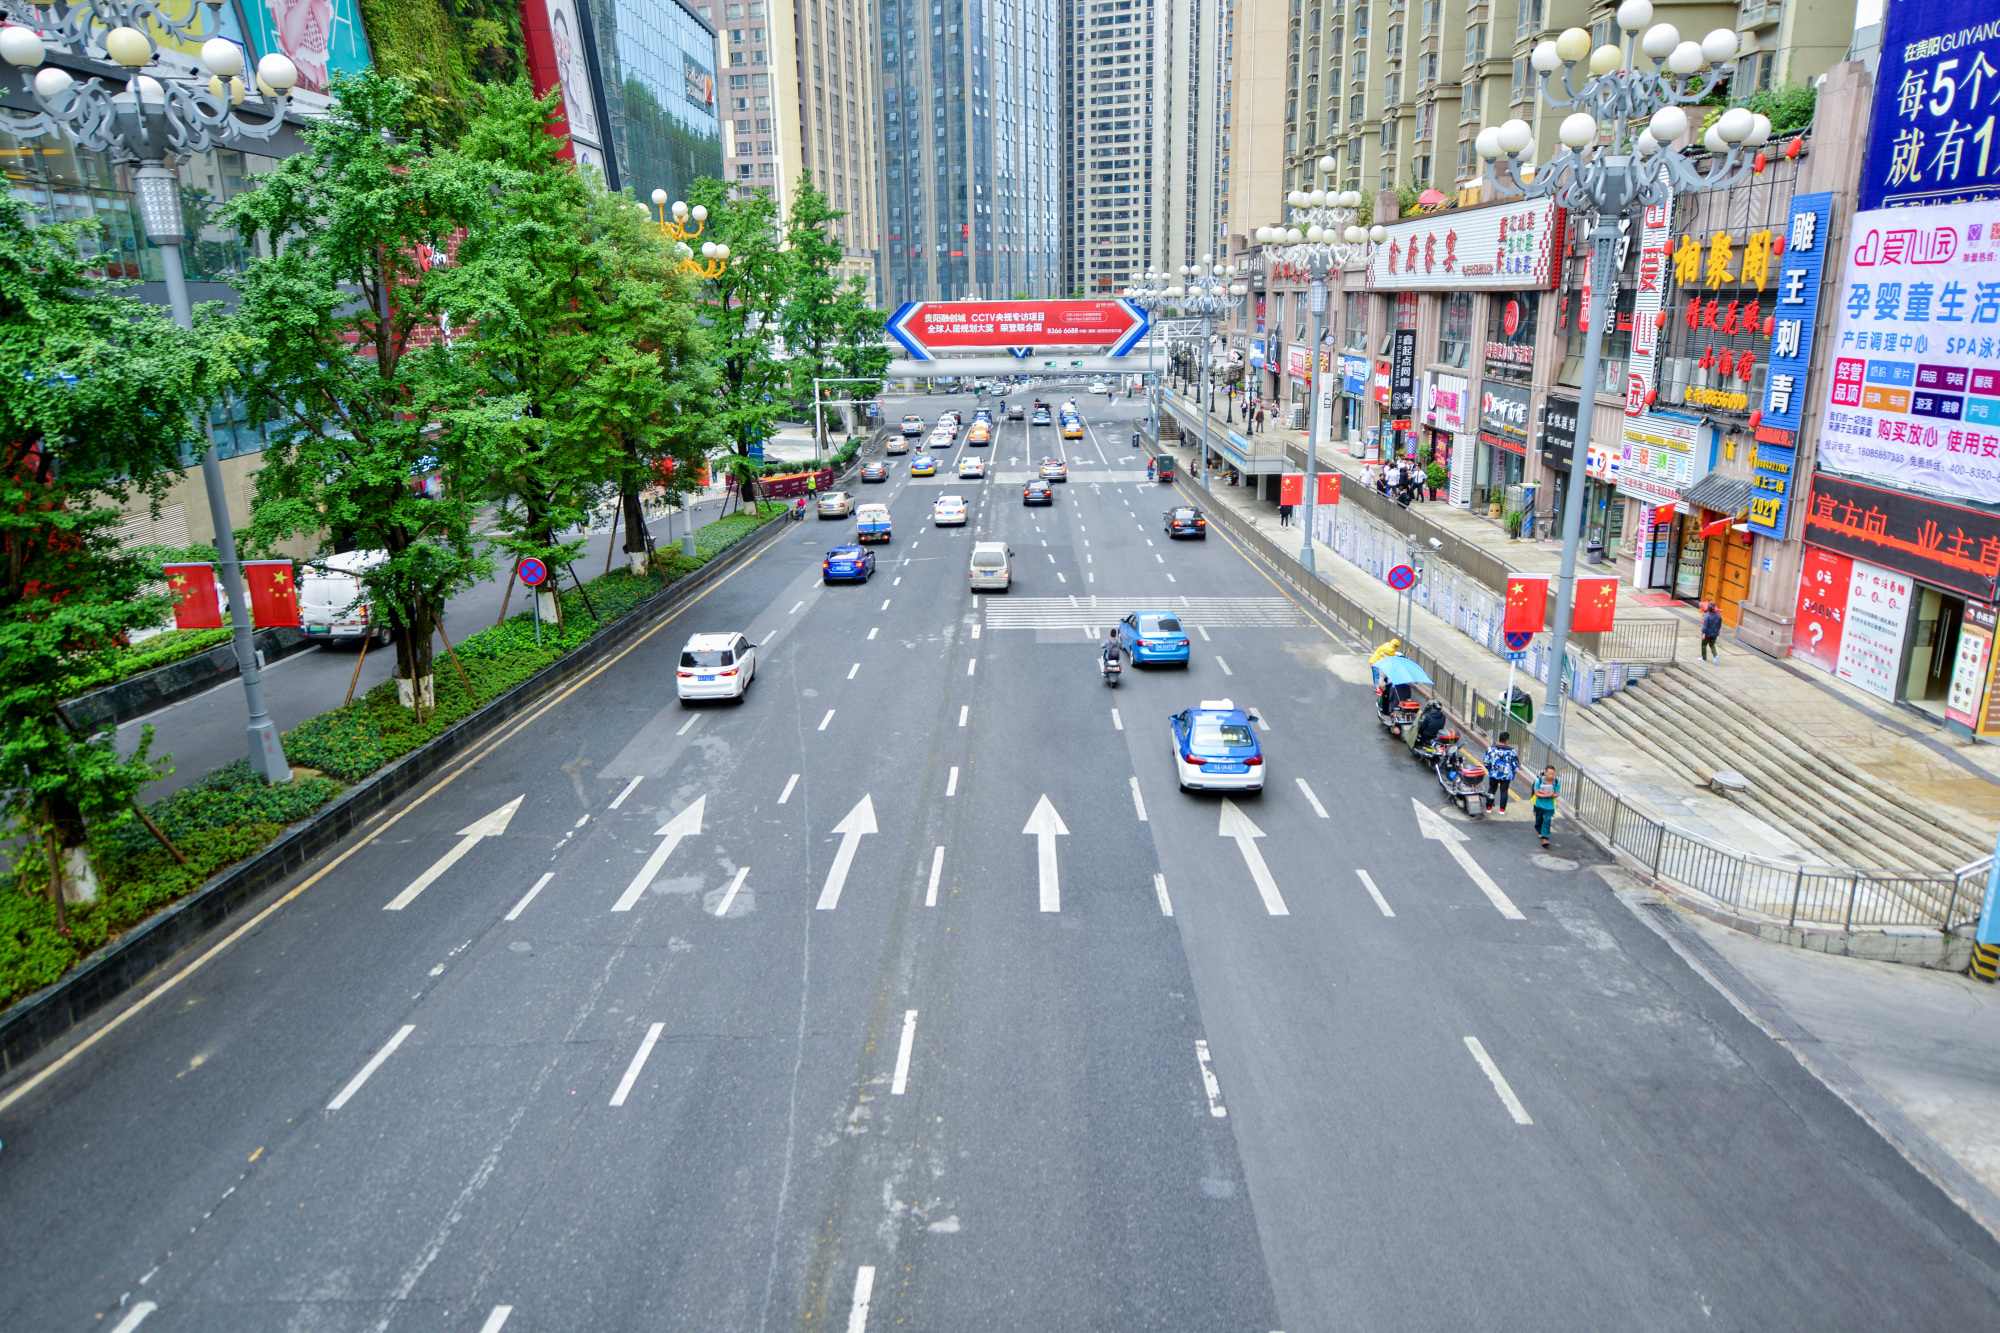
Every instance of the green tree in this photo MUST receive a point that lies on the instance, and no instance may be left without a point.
(741, 310)
(356, 372)
(96, 408)
(830, 330)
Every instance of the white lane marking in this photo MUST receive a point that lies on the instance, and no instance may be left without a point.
(828, 718)
(619, 799)
(970, 664)
(1203, 631)
(135, 1317)
(897, 581)
(864, 1289)
(1060, 577)
(951, 783)
(722, 908)
(469, 837)
(902, 1076)
(786, 794)
(1160, 890)
(873, 632)
(975, 629)
(858, 822)
(1116, 720)
(670, 835)
(1138, 801)
(937, 869)
(964, 711)
(1236, 825)
(638, 1063)
(1172, 579)
(1046, 826)
(1368, 883)
(1208, 1083)
(1221, 662)
(795, 608)
(354, 1084)
(689, 723)
(1513, 1103)
(496, 1320)
(1158, 558)
(1311, 799)
(1434, 828)
(851, 670)
(521, 906)
(885, 603)
(1090, 578)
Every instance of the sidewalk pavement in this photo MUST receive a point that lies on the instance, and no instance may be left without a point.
(1899, 745)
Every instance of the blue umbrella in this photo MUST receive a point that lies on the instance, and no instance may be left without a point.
(1401, 671)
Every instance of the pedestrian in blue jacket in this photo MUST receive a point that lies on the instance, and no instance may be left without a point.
(1502, 762)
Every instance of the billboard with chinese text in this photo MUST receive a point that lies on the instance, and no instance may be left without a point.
(1930, 138)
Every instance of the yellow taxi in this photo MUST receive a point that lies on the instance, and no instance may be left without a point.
(923, 465)
(981, 433)
(1072, 428)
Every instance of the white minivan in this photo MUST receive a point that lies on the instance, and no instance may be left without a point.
(992, 567)
(332, 603)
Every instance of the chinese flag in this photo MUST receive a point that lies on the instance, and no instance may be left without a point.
(1527, 605)
(1329, 488)
(274, 597)
(196, 605)
(1596, 605)
(1663, 516)
(1720, 526)
(1292, 489)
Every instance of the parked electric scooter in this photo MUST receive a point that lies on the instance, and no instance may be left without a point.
(1462, 777)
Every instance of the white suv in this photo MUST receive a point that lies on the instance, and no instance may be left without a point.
(717, 666)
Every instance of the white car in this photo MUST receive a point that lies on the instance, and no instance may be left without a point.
(972, 466)
(716, 666)
(949, 511)
(1099, 386)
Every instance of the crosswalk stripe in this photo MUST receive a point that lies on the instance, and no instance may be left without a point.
(1090, 612)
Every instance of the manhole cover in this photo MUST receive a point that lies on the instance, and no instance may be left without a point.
(1547, 862)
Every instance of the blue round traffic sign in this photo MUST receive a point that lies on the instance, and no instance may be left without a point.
(1402, 578)
(1519, 639)
(533, 572)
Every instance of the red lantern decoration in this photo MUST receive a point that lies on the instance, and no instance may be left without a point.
(1770, 323)
(1756, 419)
(1757, 163)
(1651, 396)
(1792, 148)
(1660, 320)
(1777, 245)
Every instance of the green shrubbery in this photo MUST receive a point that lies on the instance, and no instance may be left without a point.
(160, 650)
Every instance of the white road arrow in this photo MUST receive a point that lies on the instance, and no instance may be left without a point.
(490, 827)
(1237, 825)
(680, 826)
(860, 820)
(1047, 826)
(1437, 829)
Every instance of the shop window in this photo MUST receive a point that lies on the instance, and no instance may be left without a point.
(1510, 334)
(1455, 330)
(1356, 321)
(1617, 343)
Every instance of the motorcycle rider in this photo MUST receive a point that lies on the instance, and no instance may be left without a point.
(1430, 724)
(1108, 661)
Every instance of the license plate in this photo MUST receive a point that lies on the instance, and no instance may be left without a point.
(1225, 768)
(706, 680)
(319, 629)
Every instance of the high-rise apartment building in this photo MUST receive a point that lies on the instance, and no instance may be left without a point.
(971, 143)
(1254, 126)
(796, 81)
(1196, 91)
(1109, 128)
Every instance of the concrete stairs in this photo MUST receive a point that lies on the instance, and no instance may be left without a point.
(1693, 727)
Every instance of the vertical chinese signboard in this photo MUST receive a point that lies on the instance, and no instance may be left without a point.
(1656, 254)
(1969, 672)
(1774, 464)
(1930, 138)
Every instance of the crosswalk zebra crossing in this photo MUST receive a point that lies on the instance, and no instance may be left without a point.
(1101, 612)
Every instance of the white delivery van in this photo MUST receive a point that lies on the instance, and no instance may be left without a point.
(991, 568)
(332, 602)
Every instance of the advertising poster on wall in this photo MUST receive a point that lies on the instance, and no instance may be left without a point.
(322, 37)
(557, 57)
(1661, 456)
(1871, 638)
(1445, 395)
(1822, 608)
(1969, 672)
(1914, 397)
(1935, 74)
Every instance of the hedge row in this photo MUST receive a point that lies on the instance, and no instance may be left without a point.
(231, 814)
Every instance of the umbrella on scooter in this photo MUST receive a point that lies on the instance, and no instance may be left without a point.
(1401, 671)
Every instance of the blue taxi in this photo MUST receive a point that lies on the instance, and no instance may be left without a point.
(851, 563)
(1153, 636)
(1216, 749)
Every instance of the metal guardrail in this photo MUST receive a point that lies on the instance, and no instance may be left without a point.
(1844, 897)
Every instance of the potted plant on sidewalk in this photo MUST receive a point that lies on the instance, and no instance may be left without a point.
(1437, 479)
(1513, 524)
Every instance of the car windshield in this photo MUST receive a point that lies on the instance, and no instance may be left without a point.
(1184, 513)
(1211, 734)
(988, 559)
(707, 657)
(1160, 625)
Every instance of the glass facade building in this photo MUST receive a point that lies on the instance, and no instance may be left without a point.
(658, 64)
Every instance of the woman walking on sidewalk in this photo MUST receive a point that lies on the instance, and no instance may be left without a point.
(1711, 629)
(1546, 788)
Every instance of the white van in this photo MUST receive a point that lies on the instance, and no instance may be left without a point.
(332, 603)
(992, 566)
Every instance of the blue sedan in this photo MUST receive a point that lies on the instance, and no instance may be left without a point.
(1215, 748)
(853, 563)
(1153, 636)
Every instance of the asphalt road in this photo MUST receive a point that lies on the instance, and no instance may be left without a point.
(837, 1045)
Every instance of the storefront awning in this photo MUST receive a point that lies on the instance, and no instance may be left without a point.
(1720, 492)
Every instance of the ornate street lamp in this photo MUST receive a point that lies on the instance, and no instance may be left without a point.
(1322, 237)
(1151, 298)
(1204, 295)
(1606, 172)
(715, 255)
(142, 117)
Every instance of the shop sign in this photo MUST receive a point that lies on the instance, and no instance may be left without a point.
(1558, 431)
(1969, 672)
(1914, 397)
(1260, 313)
(1503, 415)
(1771, 477)
(1953, 548)
(1922, 145)
(1794, 311)
(1298, 361)
(1444, 400)
(1354, 376)
(1403, 374)
(1656, 252)
(1510, 332)
(1822, 607)
(1487, 249)
(1657, 461)
(1382, 373)
(1871, 639)
(1257, 353)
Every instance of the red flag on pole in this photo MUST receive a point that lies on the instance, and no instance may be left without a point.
(196, 602)
(1663, 515)
(1329, 488)
(1527, 605)
(274, 595)
(1720, 526)
(1596, 605)
(1292, 488)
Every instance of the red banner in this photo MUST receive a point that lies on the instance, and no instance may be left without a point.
(197, 605)
(274, 594)
(1292, 488)
(1596, 605)
(1527, 605)
(1329, 488)
(1822, 609)
(935, 324)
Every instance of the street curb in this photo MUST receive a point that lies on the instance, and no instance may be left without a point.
(33, 1023)
(149, 691)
